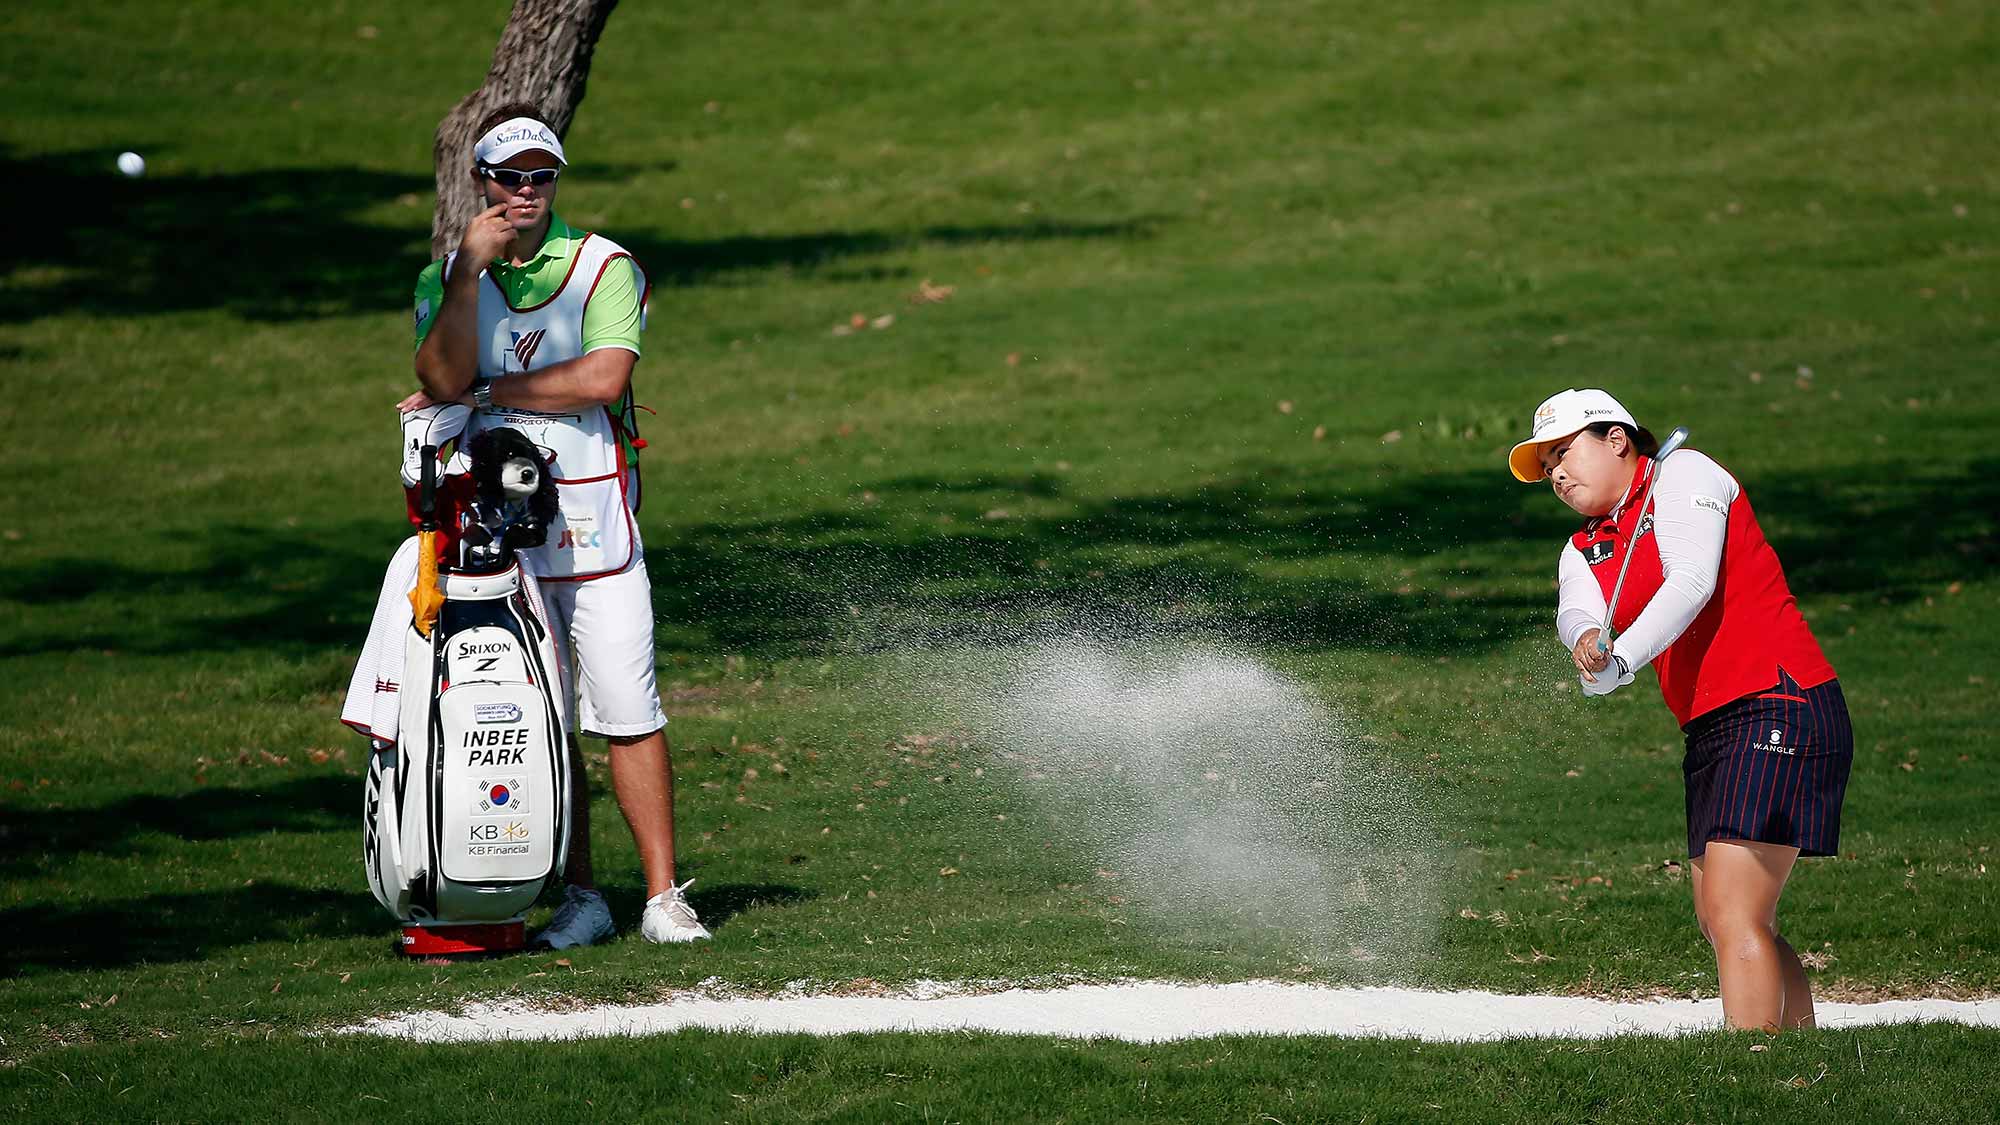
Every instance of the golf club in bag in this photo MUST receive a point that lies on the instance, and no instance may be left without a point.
(467, 806)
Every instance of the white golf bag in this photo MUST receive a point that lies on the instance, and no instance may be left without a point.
(467, 802)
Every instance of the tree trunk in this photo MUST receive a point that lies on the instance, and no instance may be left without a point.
(543, 58)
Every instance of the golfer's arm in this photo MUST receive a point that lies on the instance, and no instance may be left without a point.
(448, 359)
(1691, 537)
(1579, 599)
(596, 378)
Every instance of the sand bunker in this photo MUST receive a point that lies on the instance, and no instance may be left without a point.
(1147, 1012)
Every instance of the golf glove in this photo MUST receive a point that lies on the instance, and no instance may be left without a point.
(1614, 676)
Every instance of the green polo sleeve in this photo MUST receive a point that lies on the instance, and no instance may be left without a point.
(614, 317)
(430, 298)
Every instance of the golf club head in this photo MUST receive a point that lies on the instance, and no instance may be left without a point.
(1674, 441)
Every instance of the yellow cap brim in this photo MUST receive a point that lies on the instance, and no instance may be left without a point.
(1526, 458)
(1526, 461)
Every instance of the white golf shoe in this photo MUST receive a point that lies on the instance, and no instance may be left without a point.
(670, 918)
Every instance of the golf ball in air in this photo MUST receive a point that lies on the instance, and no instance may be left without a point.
(131, 163)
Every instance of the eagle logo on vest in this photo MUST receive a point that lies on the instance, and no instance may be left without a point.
(1598, 552)
(526, 344)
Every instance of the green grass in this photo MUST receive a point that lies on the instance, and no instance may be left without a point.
(1886, 1075)
(1206, 263)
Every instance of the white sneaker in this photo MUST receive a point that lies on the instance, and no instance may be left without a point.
(670, 918)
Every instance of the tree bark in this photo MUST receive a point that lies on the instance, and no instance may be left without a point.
(544, 58)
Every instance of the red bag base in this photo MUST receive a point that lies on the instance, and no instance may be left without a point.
(459, 941)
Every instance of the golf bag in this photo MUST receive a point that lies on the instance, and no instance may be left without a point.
(467, 803)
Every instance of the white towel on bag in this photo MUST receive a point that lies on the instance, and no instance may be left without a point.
(374, 692)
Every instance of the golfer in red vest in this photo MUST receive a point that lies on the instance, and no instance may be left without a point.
(1705, 603)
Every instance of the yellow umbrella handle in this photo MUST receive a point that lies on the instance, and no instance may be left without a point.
(426, 599)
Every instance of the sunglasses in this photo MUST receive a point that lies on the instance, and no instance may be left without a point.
(513, 178)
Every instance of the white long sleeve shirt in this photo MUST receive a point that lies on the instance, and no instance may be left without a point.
(1690, 508)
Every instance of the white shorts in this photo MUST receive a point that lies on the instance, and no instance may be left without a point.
(605, 627)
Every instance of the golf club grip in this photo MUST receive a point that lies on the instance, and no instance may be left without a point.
(427, 489)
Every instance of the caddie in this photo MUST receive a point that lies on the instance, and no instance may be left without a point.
(536, 324)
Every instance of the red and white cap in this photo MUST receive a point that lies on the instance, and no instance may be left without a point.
(1559, 416)
(514, 136)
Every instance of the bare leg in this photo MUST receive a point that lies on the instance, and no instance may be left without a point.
(642, 773)
(1700, 899)
(1798, 992)
(1737, 884)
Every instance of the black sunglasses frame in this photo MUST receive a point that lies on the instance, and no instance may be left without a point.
(540, 177)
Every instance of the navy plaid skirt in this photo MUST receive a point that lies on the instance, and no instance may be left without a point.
(1770, 767)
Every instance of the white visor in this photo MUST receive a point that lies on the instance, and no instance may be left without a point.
(515, 136)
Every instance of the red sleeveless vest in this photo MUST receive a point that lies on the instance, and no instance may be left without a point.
(1750, 627)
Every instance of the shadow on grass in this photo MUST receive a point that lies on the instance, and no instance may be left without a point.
(716, 905)
(185, 926)
(290, 241)
(1223, 558)
(178, 927)
(193, 926)
(682, 262)
(256, 588)
(33, 839)
(296, 248)
(1202, 561)
(1215, 559)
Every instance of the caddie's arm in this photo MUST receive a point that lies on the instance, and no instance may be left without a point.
(612, 323)
(448, 356)
(597, 378)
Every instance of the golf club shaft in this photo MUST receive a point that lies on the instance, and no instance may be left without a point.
(427, 489)
(1674, 441)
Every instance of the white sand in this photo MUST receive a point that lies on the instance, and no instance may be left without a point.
(1147, 1012)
